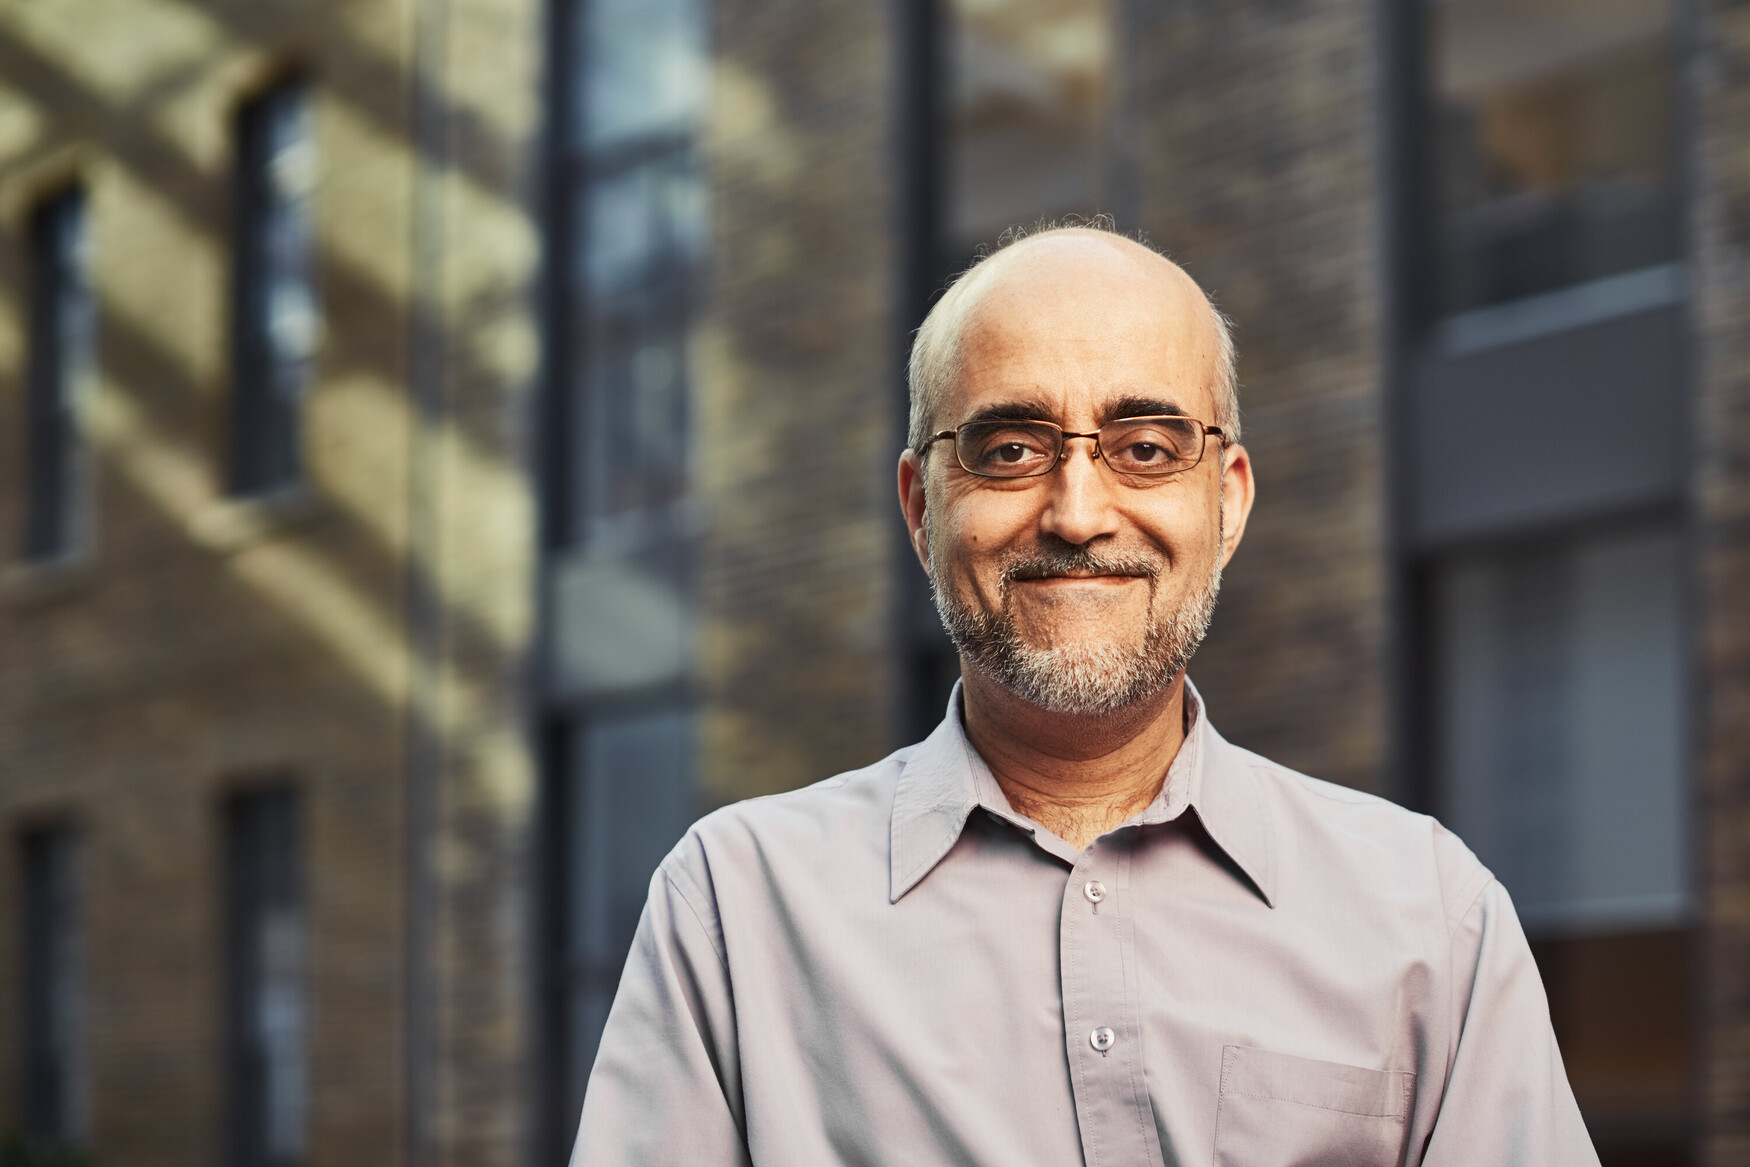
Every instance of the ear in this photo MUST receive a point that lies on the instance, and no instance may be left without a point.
(911, 504)
(1237, 493)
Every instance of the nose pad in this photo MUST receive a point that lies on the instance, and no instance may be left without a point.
(1093, 452)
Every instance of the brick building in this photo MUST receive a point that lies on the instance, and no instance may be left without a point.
(446, 445)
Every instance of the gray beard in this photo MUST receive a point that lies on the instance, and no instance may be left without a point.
(1079, 679)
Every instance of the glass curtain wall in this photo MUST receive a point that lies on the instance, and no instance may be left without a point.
(630, 226)
(1555, 620)
(1027, 113)
(1555, 164)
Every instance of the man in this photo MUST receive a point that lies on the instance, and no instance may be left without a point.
(1075, 925)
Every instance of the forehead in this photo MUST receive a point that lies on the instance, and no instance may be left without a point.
(1079, 326)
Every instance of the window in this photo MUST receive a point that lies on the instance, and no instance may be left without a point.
(265, 937)
(630, 227)
(53, 982)
(1543, 421)
(62, 350)
(636, 219)
(1560, 746)
(1562, 727)
(1027, 112)
(1553, 160)
(275, 323)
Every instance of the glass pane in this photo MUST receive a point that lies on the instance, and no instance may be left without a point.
(278, 322)
(644, 70)
(633, 795)
(645, 227)
(62, 356)
(1623, 1007)
(621, 622)
(1553, 153)
(1027, 99)
(54, 999)
(1560, 727)
(268, 1070)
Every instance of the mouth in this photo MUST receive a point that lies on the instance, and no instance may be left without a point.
(1080, 577)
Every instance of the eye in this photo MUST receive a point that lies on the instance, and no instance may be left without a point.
(1004, 449)
(1156, 445)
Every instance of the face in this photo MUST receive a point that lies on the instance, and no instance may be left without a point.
(1079, 591)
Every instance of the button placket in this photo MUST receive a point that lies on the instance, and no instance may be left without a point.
(1100, 1012)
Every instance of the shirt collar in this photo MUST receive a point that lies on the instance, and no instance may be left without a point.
(944, 780)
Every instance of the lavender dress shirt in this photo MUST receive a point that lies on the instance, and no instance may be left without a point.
(1261, 969)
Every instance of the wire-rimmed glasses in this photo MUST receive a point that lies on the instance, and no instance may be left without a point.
(1142, 447)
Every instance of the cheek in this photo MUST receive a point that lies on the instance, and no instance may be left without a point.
(1187, 530)
(975, 521)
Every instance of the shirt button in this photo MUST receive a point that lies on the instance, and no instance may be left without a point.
(1094, 890)
(1102, 1038)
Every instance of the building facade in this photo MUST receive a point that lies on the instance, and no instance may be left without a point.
(448, 445)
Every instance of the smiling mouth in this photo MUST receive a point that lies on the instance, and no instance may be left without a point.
(1081, 577)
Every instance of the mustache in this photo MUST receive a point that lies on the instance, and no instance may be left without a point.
(1052, 562)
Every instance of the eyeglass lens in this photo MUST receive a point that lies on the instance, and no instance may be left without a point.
(1142, 446)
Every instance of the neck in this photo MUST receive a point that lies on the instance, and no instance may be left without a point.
(1077, 776)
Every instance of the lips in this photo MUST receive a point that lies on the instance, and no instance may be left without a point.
(1077, 576)
(1028, 571)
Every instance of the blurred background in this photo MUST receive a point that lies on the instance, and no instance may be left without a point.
(446, 446)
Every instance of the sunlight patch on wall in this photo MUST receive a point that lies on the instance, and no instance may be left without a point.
(120, 49)
(163, 271)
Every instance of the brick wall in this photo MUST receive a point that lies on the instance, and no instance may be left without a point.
(203, 645)
(798, 395)
(1720, 241)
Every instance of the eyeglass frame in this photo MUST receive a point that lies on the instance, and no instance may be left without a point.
(1066, 435)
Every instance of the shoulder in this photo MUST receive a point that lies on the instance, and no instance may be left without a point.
(840, 823)
(1322, 826)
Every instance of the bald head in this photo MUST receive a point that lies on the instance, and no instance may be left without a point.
(1071, 270)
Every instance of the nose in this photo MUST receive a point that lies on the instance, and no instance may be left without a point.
(1078, 503)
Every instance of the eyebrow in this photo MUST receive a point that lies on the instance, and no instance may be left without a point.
(1013, 411)
(1034, 410)
(1140, 407)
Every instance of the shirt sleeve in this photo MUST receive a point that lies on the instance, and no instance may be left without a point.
(666, 1084)
(1507, 1101)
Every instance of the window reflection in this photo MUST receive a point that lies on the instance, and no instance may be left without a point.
(1561, 726)
(1553, 152)
(644, 69)
(645, 224)
(638, 224)
(1027, 99)
(633, 218)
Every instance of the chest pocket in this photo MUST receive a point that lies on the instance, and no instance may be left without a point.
(1282, 1111)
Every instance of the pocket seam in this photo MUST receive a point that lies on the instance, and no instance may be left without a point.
(1406, 1084)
